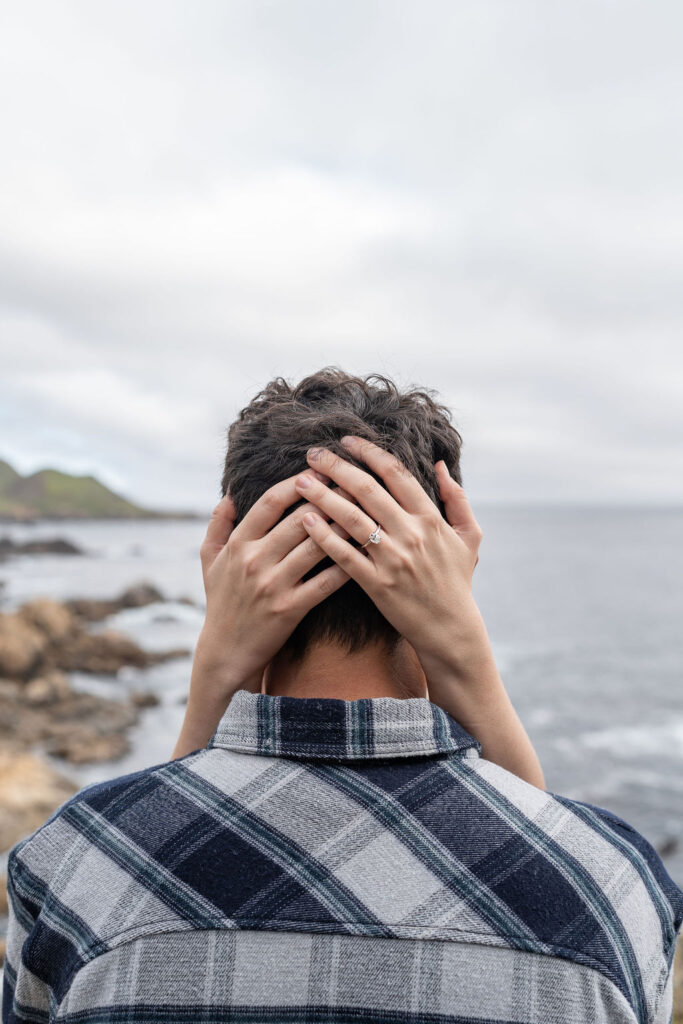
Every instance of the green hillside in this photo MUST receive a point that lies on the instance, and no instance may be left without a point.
(7, 475)
(52, 494)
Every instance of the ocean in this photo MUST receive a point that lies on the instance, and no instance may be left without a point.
(584, 608)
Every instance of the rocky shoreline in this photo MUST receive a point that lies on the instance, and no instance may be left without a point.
(41, 713)
(39, 546)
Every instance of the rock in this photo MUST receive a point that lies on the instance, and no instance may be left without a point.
(39, 644)
(145, 699)
(84, 747)
(667, 846)
(22, 647)
(139, 595)
(47, 689)
(30, 790)
(80, 727)
(41, 546)
(50, 617)
(95, 609)
(9, 688)
(92, 609)
(105, 653)
(43, 635)
(678, 982)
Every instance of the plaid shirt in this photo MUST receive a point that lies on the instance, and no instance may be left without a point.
(337, 861)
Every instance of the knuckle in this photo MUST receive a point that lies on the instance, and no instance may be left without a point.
(325, 586)
(311, 548)
(413, 540)
(388, 580)
(265, 588)
(356, 519)
(344, 558)
(395, 467)
(281, 605)
(433, 520)
(271, 498)
(367, 488)
(250, 565)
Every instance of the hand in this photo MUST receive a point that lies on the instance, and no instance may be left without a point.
(253, 580)
(420, 574)
(254, 599)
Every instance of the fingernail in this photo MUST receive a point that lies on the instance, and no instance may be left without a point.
(348, 440)
(314, 453)
(309, 519)
(302, 482)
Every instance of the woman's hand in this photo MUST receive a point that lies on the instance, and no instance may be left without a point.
(255, 598)
(420, 574)
(420, 578)
(253, 577)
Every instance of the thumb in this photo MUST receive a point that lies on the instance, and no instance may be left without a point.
(458, 510)
(220, 527)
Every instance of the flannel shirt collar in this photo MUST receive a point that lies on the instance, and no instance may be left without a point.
(326, 728)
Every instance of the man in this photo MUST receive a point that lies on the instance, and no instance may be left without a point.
(354, 825)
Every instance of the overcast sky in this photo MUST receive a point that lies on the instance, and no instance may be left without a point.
(480, 197)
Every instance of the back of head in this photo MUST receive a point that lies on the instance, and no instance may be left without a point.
(268, 442)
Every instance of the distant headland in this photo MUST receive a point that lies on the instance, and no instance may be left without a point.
(51, 494)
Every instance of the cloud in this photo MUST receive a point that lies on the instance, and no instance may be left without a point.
(480, 198)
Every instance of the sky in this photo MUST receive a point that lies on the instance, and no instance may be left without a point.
(481, 198)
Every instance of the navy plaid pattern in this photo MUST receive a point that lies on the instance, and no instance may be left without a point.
(337, 861)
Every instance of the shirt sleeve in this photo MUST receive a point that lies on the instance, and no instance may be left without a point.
(667, 887)
(25, 996)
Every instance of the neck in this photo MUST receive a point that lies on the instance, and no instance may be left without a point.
(328, 670)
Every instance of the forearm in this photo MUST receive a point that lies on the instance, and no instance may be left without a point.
(465, 682)
(212, 685)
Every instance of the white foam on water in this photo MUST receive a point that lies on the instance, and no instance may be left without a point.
(624, 741)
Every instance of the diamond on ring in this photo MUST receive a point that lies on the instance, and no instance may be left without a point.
(374, 537)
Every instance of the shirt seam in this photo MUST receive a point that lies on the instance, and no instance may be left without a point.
(257, 924)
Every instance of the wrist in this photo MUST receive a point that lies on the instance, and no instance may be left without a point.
(458, 649)
(216, 671)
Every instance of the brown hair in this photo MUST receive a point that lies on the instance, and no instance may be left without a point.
(268, 442)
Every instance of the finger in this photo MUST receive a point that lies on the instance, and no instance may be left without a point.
(458, 510)
(360, 567)
(406, 489)
(355, 521)
(221, 525)
(303, 557)
(313, 591)
(269, 508)
(371, 496)
(290, 531)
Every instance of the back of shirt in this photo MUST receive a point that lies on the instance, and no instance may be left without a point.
(326, 860)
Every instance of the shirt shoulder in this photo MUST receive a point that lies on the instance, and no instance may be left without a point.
(636, 906)
(62, 883)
